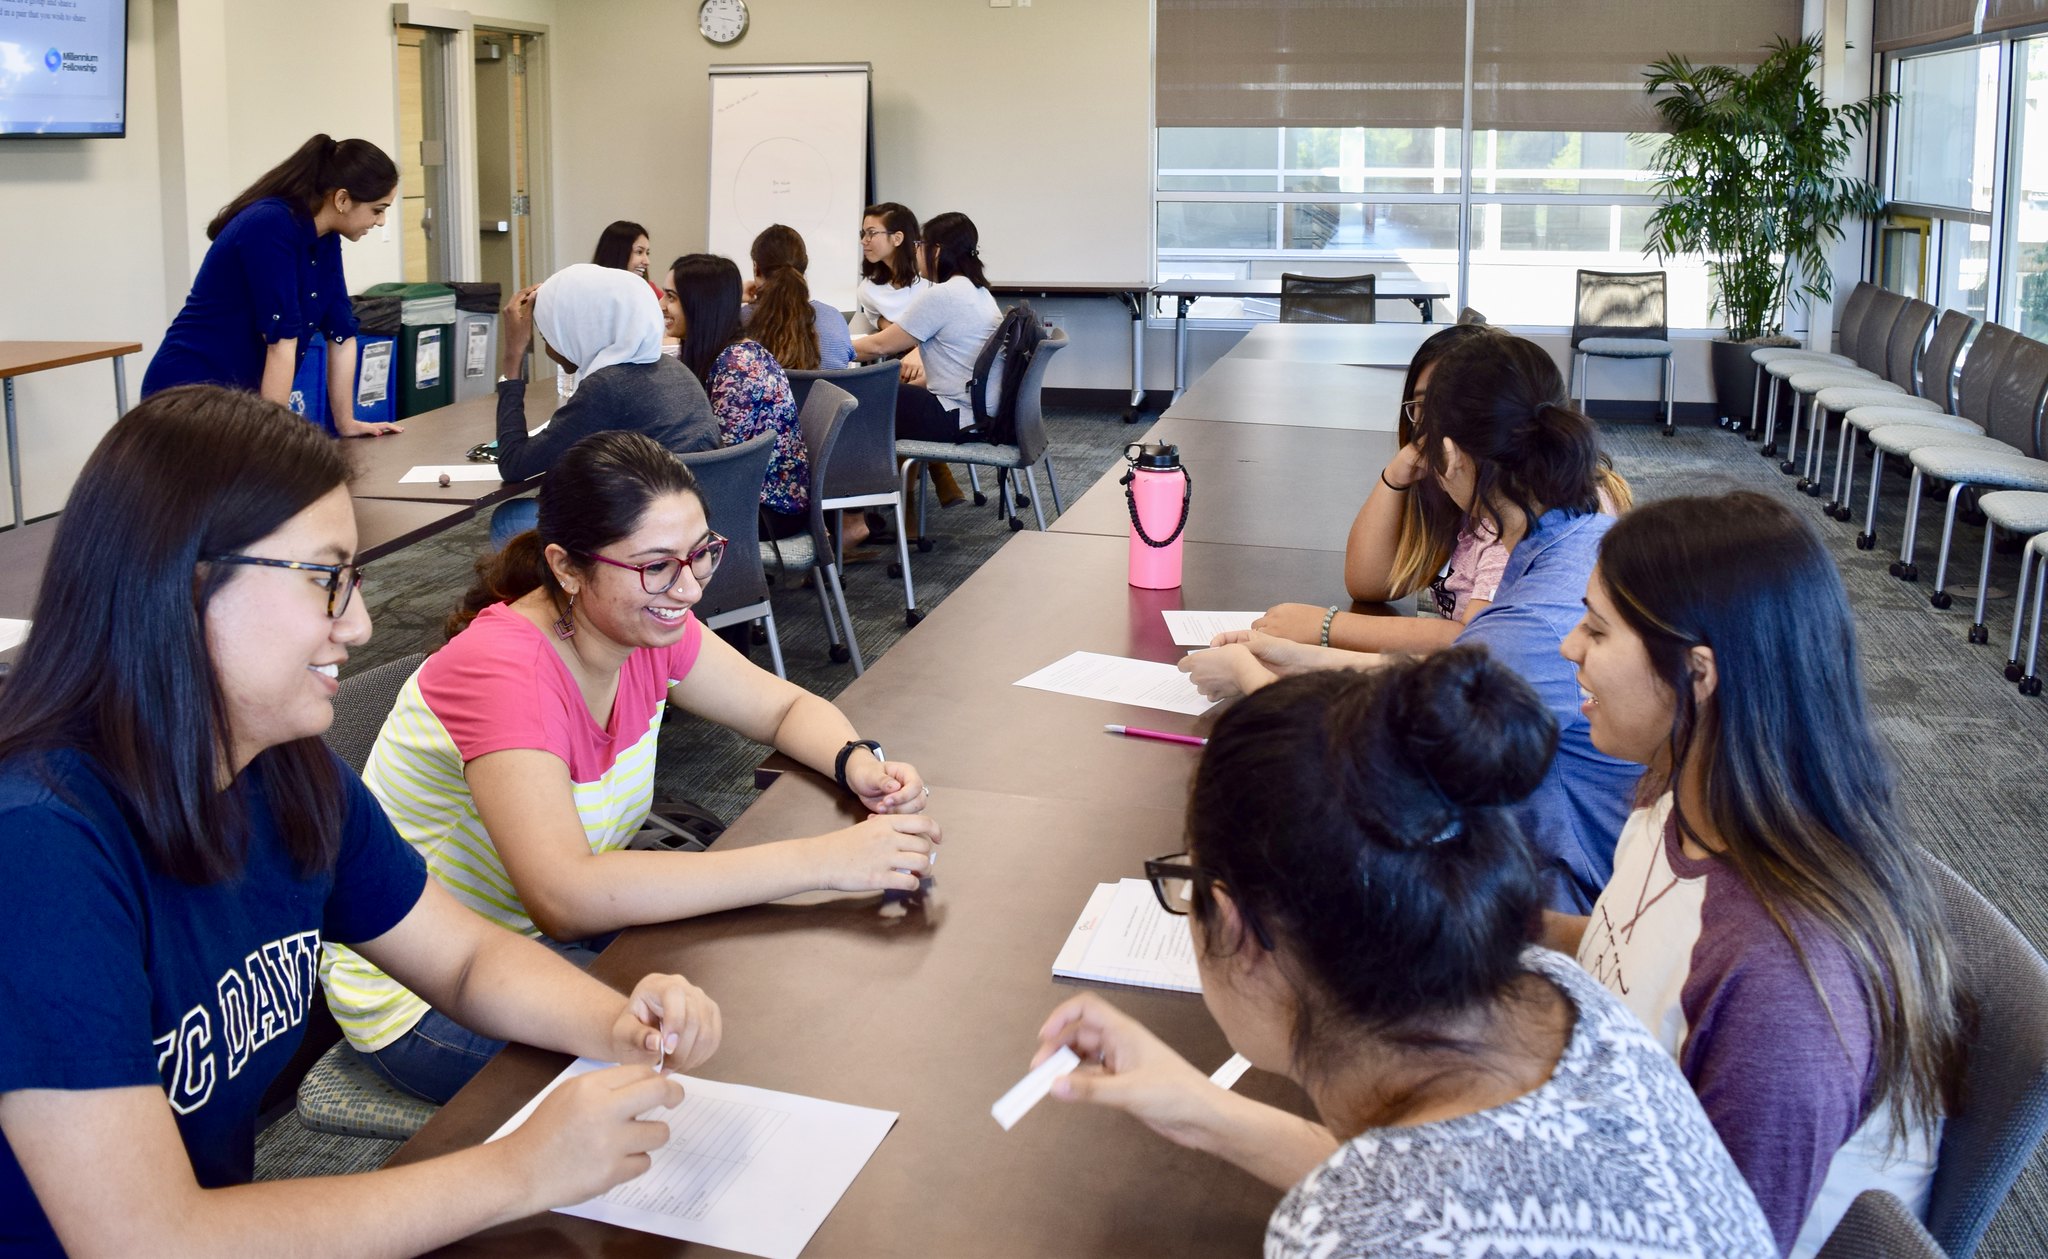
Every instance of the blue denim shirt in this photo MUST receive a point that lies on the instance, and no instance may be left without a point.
(1576, 814)
(269, 276)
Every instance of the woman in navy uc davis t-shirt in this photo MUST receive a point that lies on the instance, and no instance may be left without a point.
(271, 281)
(176, 845)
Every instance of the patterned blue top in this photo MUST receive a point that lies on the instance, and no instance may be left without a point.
(269, 276)
(750, 395)
(1611, 1157)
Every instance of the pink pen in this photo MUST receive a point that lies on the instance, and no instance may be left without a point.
(1193, 741)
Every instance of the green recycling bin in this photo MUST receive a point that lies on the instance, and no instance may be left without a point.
(427, 363)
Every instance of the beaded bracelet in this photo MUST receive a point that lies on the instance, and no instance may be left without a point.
(1328, 617)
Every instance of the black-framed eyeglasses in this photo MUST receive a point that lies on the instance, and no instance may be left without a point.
(1176, 881)
(341, 583)
(660, 576)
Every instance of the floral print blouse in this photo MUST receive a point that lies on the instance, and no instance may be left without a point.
(750, 395)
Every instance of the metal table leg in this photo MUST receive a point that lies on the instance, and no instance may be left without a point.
(120, 388)
(14, 455)
(1135, 303)
(1180, 346)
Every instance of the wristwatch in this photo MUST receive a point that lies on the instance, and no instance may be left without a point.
(839, 765)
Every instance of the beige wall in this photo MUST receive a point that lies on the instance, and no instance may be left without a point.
(1034, 121)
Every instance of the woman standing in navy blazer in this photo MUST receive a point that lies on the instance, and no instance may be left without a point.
(272, 280)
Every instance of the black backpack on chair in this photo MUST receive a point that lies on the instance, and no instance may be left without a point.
(1015, 341)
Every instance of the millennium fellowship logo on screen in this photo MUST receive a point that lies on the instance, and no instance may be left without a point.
(53, 61)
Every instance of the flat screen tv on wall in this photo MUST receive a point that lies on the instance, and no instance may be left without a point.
(63, 69)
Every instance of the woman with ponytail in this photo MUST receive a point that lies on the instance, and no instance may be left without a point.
(1360, 899)
(803, 335)
(1499, 451)
(1770, 919)
(272, 281)
(519, 759)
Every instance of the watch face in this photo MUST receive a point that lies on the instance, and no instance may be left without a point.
(722, 21)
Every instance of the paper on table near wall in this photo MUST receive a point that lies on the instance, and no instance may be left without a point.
(1145, 683)
(1124, 937)
(429, 473)
(1199, 629)
(744, 1168)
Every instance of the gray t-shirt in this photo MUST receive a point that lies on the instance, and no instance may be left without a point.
(1611, 1157)
(951, 322)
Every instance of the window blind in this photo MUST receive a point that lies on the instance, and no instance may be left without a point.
(1899, 24)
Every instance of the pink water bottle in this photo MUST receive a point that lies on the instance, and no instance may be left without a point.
(1158, 490)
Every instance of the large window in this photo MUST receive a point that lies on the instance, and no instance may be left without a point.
(1252, 202)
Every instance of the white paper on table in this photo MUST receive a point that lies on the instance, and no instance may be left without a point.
(1120, 680)
(1227, 1075)
(1199, 629)
(430, 473)
(748, 1169)
(13, 633)
(1124, 937)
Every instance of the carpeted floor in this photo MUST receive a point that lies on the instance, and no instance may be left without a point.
(1968, 746)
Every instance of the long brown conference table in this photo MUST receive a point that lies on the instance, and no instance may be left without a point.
(933, 1012)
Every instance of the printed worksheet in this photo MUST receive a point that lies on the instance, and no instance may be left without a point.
(1199, 629)
(1120, 680)
(744, 1168)
(429, 473)
(1124, 937)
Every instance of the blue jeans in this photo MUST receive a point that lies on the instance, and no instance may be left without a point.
(439, 1055)
(512, 518)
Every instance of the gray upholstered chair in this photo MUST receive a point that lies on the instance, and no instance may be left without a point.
(1329, 298)
(1990, 1137)
(2024, 514)
(823, 416)
(1878, 1226)
(364, 701)
(1024, 456)
(730, 479)
(1621, 314)
(1976, 390)
(1873, 339)
(864, 472)
(1853, 312)
(1933, 401)
(1897, 386)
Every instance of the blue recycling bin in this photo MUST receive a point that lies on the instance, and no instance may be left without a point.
(309, 386)
(376, 391)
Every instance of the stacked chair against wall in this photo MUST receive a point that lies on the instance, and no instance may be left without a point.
(1621, 315)
(1024, 456)
(2001, 459)
(1976, 391)
(1329, 298)
(1910, 338)
(816, 551)
(1853, 312)
(1934, 401)
(2035, 557)
(730, 480)
(864, 473)
(1803, 380)
(2023, 514)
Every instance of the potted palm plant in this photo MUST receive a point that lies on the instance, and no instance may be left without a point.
(1750, 172)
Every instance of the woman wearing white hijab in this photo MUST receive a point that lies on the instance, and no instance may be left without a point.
(605, 325)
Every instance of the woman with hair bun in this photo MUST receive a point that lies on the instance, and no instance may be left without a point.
(1455, 1068)
(1500, 451)
(271, 281)
(1769, 919)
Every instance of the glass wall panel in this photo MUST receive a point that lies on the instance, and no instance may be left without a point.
(2024, 292)
(1946, 129)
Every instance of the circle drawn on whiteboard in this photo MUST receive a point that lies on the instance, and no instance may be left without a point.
(783, 180)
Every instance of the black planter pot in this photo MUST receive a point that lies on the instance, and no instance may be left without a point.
(1735, 376)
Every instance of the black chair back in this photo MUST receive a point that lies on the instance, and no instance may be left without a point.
(2016, 397)
(1876, 334)
(1329, 298)
(865, 460)
(1983, 360)
(1909, 336)
(1030, 411)
(730, 479)
(1992, 1135)
(1938, 364)
(361, 706)
(1620, 304)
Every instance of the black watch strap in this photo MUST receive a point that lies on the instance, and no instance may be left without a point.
(839, 765)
